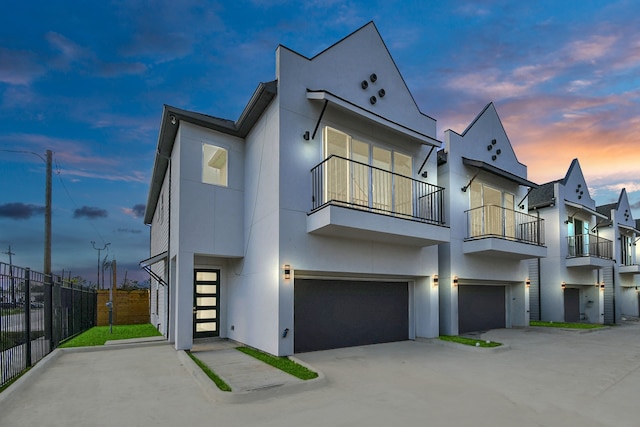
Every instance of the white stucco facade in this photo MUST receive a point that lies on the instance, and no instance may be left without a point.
(268, 216)
(567, 284)
(481, 161)
(620, 280)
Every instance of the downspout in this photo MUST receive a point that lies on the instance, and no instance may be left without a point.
(169, 253)
(168, 267)
(539, 278)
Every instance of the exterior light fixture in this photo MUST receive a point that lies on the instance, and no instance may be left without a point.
(602, 286)
(287, 272)
(527, 282)
(173, 119)
(564, 286)
(455, 280)
(435, 281)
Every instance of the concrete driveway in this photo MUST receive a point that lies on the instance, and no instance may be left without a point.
(546, 378)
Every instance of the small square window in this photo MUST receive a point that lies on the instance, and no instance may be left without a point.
(214, 165)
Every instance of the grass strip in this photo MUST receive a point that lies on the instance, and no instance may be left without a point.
(566, 325)
(98, 335)
(212, 375)
(470, 341)
(283, 363)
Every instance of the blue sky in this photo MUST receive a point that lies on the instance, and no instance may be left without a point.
(87, 80)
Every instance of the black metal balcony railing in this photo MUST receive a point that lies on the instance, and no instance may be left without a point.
(584, 245)
(344, 182)
(503, 223)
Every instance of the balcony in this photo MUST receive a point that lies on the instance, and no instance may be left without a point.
(629, 269)
(589, 251)
(505, 233)
(358, 201)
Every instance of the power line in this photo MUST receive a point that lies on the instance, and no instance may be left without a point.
(66, 190)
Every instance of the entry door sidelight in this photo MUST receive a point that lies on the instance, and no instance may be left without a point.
(205, 303)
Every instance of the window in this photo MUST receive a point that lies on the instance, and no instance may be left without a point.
(214, 165)
(350, 178)
(578, 232)
(626, 250)
(491, 211)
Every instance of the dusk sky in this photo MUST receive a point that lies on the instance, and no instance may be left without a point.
(88, 80)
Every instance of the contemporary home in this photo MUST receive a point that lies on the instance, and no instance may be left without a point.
(313, 220)
(620, 286)
(566, 285)
(482, 270)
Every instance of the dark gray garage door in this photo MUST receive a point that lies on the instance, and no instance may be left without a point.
(480, 308)
(338, 313)
(572, 305)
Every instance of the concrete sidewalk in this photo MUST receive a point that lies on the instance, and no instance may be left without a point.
(546, 378)
(249, 378)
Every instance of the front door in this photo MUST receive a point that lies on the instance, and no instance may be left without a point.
(572, 305)
(205, 303)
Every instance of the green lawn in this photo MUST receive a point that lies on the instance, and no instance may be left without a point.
(566, 325)
(98, 335)
(283, 363)
(469, 341)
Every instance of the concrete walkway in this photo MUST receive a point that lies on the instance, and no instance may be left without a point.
(545, 378)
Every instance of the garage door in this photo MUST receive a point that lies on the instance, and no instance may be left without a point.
(338, 313)
(572, 305)
(480, 308)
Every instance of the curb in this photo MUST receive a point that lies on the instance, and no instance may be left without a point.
(6, 397)
(28, 377)
(464, 347)
(213, 392)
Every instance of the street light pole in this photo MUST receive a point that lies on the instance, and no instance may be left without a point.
(99, 249)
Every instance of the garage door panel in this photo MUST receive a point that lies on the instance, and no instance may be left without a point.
(481, 308)
(334, 314)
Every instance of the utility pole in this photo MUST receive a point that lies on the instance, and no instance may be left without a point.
(13, 288)
(47, 222)
(99, 249)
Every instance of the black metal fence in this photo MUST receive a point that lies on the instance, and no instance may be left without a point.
(36, 313)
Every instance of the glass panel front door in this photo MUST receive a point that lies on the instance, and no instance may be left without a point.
(205, 303)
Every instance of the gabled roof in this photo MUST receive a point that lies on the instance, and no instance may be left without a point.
(171, 118)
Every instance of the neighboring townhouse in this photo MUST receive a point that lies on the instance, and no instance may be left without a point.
(566, 284)
(483, 270)
(312, 221)
(620, 293)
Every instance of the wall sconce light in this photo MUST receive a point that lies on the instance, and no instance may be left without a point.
(306, 135)
(564, 286)
(435, 281)
(602, 286)
(455, 280)
(287, 272)
(527, 283)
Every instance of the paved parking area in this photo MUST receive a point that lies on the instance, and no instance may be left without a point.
(545, 378)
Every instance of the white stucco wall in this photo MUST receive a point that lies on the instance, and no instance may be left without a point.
(553, 268)
(359, 56)
(478, 268)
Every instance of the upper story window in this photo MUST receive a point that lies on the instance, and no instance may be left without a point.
(367, 175)
(491, 211)
(626, 250)
(214, 165)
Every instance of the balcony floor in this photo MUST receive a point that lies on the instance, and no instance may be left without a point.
(503, 248)
(339, 221)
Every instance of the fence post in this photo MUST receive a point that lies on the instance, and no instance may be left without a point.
(27, 315)
(48, 309)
